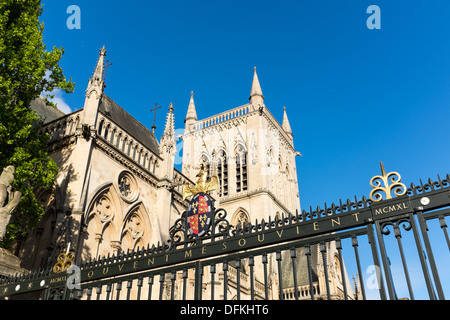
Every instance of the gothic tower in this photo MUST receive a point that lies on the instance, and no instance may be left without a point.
(252, 155)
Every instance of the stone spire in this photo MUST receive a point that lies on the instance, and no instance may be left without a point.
(94, 93)
(256, 95)
(169, 129)
(96, 82)
(191, 115)
(286, 126)
(168, 145)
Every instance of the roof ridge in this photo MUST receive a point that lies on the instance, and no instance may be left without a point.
(137, 121)
(131, 125)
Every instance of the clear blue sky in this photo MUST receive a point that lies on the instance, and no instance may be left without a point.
(354, 96)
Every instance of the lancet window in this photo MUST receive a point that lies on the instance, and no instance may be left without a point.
(241, 169)
(222, 173)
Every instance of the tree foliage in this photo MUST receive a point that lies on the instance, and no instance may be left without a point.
(27, 69)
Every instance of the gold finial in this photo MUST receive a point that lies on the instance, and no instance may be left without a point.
(393, 178)
(202, 185)
(64, 261)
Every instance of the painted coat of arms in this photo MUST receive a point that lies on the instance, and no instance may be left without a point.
(199, 214)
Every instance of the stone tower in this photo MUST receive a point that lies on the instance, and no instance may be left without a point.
(252, 154)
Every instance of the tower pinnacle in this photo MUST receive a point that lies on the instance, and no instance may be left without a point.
(256, 95)
(96, 82)
(169, 130)
(191, 115)
(286, 126)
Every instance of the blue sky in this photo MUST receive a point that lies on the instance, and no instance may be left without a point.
(354, 96)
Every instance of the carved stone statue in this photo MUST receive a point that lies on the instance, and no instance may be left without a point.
(8, 199)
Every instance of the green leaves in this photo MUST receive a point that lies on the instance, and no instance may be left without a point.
(27, 69)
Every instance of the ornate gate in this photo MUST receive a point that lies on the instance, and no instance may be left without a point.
(300, 256)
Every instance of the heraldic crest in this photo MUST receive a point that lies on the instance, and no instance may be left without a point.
(201, 205)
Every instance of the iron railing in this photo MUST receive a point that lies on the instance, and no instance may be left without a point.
(308, 255)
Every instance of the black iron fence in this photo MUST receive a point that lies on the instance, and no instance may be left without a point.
(358, 249)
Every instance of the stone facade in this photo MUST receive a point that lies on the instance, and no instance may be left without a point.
(251, 153)
(118, 189)
(9, 263)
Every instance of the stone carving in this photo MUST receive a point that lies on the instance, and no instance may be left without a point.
(124, 186)
(8, 199)
(134, 226)
(240, 219)
(103, 209)
(127, 185)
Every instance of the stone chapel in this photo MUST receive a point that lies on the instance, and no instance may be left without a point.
(118, 188)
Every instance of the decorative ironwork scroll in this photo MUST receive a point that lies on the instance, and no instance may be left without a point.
(391, 183)
(64, 261)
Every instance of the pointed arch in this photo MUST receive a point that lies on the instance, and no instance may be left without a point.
(42, 238)
(113, 135)
(144, 159)
(241, 156)
(130, 145)
(119, 138)
(101, 221)
(222, 172)
(240, 217)
(106, 132)
(124, 143)
(100, 127)
(221, 145)
(136, 229)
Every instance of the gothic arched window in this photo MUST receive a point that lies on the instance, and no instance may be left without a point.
(129, 148)
(119, 137)
(100, 127)
(124, 143)
(150, 160)
(144, 159)
(222, 173)
(241, 169)
(105, 134)
(135, 150)
(155, 164)
(240, 218)
(113, 134)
